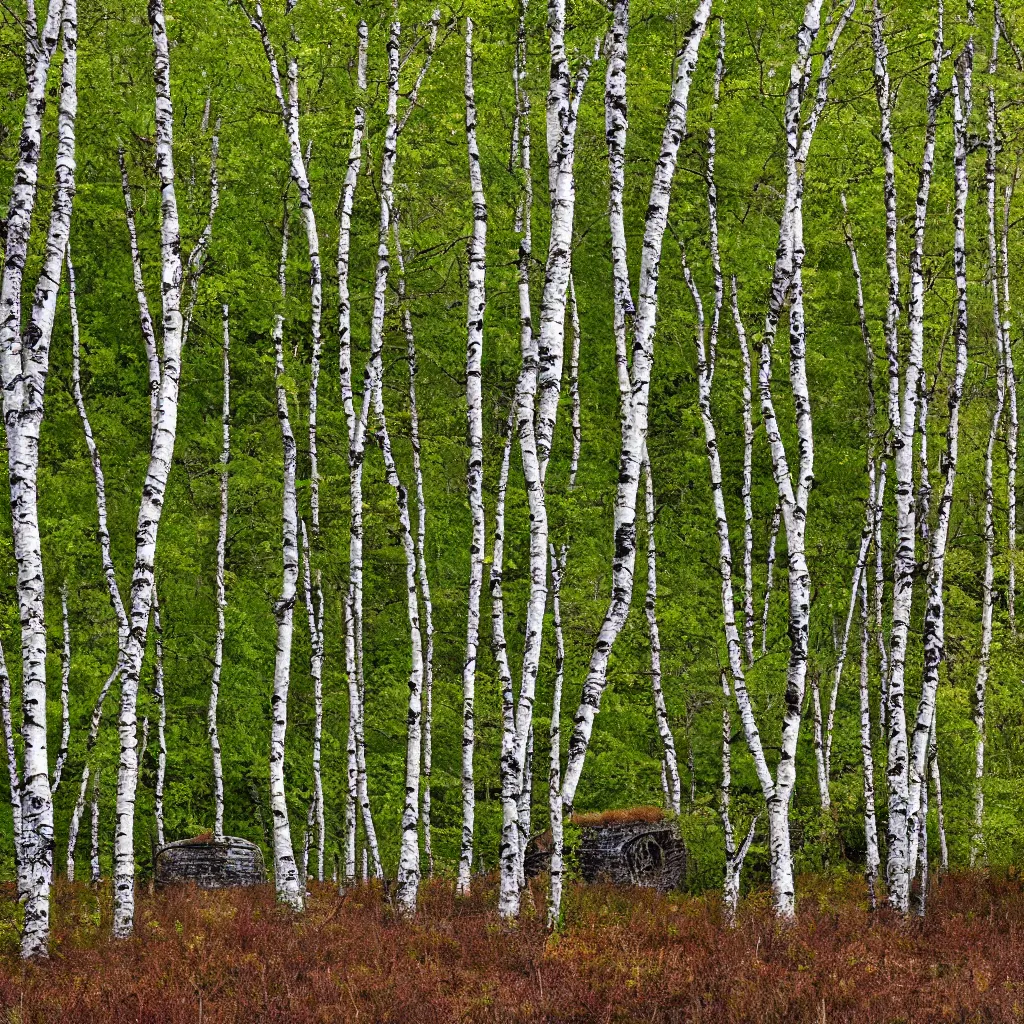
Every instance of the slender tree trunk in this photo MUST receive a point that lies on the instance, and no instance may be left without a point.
(872, 859)
(313, 597)
(654, 634)
(94, 832)
(161, 721)
(154, 487)
(773, 536)
(222, 600)
(290, 888)
(65, 708)
(475, 307)
(421, 559)
(1012, 431)
(933, 757)
(634, 422)
(555, 770)
(14, 776)
(24, 366)
(537, 406)
(1002, 343)
(359, 789)
(819, 745)
(734, 857)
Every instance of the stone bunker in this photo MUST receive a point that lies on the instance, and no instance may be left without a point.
(636, 846)
(210, 864)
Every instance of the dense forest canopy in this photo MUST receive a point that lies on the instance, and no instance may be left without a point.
(884, 83)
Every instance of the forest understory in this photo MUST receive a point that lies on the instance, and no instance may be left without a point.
(624, 954)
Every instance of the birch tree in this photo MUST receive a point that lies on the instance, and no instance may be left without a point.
(476, 302)
(24, 366)
(222, 600)
(634, 419)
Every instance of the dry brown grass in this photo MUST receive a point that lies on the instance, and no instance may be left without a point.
(624, 955)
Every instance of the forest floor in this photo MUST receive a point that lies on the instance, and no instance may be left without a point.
(623, 955)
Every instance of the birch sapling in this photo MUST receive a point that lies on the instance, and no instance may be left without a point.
(634, 420)
(154, 486)
(476, 302)
(212, 730)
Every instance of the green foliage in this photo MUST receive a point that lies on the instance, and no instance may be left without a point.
(216, 56)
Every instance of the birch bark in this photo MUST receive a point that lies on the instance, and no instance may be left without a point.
(475, 307)
(24, 366)
(212, 730)
(289, 887)
(634, 423)
(901, 826)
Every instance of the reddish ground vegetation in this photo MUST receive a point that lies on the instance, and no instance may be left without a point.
(625, 816)
(624, 955)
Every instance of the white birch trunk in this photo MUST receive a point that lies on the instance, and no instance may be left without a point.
(1002, 343)
(773, 536)
(13, 775)
(290, 888)
(222, 599)
(313, 599)
(359, 789)
(154, 487)
(734, 857)
(65, 708)
(904, 794)
(543, 358)
(94, 833)
(634, 423)
(555, 770)
(475, 308)
(654, 635)
(161, 720)
(421, 558)
(872, 859)
(1012, 429)
(24, 365)
(933, 757)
